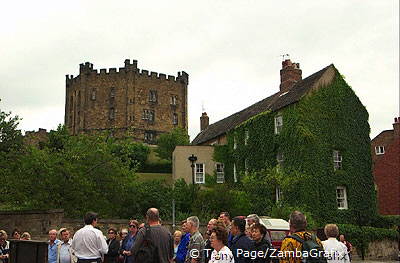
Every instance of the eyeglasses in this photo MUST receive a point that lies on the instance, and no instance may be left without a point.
(132, 226)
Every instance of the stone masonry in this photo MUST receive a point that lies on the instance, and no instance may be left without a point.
(129, 102)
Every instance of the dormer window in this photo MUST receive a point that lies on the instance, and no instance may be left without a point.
(379, 150)
(278, 124)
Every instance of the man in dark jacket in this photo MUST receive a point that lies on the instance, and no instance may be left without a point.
(240, 242)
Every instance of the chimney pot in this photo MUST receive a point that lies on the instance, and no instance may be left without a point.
(290, 74)
(204, 121)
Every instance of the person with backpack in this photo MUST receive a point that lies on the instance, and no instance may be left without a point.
(154, 243)
(301, 246)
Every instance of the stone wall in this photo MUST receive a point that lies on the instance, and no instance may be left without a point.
(38, 223)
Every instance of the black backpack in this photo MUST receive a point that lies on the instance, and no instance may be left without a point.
(311, 247)
(148, 252)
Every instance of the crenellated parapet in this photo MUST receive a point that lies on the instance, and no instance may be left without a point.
(86, 69)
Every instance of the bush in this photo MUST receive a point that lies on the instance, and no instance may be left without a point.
(161, 167)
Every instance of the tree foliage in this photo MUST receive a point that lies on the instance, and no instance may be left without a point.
(168, 141)
(10, 137)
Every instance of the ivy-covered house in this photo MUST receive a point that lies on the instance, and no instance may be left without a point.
(311, 138)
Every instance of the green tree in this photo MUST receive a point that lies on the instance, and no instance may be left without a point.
(10, 137)
(168, 141)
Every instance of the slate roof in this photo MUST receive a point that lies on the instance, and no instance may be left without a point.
(274, 102)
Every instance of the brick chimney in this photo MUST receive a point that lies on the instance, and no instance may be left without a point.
(396, 127)
(290, 74)
(204, 121)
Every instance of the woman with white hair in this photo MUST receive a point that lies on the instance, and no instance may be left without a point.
(335, 251)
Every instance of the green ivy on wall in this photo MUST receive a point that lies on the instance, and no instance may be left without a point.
(327, 119)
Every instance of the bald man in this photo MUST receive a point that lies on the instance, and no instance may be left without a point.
(53, 242)
(160, 237)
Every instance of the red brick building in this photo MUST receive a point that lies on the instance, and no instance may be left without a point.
(385, 151)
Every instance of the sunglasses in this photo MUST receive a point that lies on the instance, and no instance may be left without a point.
(132, 226)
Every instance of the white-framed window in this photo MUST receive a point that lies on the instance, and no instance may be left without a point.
(341, 197)
(153, 96)
(175, 119)
(148, 115)
(379, 150)
(199, 177)
(219, 167)
(279, 158)
(278, 124)
(174, 99)
(246, 137)
(337, 160)
(234, 173)
(278, 194)
(234, 143)
(112, 114)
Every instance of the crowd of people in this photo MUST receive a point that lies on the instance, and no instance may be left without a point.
(226, 240)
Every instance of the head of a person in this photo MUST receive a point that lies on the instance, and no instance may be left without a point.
(112, 233)
(331, 230)
(123, 233)
(133, 226)
(219, 237)
(225, 216)
(192, 224)
(341, 238)
(64, 234)
(258, 232)
(91, 218)
(297, 222)
(251, 219)
(184, 226)
(16, 234)
(153, 216)
(3, 237)
(26, 236)
(238, 226)
(52, 235)
(177, 236)
(211, 224)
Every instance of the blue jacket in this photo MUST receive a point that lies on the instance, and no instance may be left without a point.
(182, 248)
(243, 242)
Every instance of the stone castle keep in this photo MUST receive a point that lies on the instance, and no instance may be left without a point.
(129, 102)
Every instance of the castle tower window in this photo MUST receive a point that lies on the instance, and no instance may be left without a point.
(93, 95)
(173, 100)
(153, 96)
(112, 93)
(175, 119)
(130, 101)
(148, 115)
(337, 160)
(112, 114)
(278, 124)
(149, 137)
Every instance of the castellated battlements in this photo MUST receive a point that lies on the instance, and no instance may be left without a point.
(127, 101)
(87, 70)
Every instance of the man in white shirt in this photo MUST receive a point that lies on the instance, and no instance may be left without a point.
(89, 244)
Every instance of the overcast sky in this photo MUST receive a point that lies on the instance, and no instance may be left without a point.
(230, 49)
